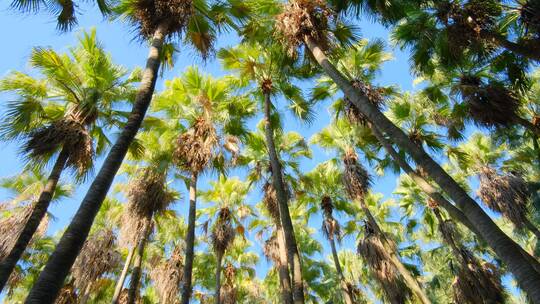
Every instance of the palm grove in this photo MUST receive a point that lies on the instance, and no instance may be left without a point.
(460, 227)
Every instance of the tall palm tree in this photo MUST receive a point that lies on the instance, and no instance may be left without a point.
(59, 113)
(228, 194)
(156, 21)
(306, 23)
(378, 250)
(212, 117)
(270, 74)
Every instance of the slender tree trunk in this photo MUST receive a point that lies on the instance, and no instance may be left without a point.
(396, 261)
(51, 279)
(283, 268)
(454, 212)
(39, 210)
(520, 263)
(517, 48)
(293, 254)
(136, 274)
(347, 294)
(123, 275)
(190, 240)
(218, 277)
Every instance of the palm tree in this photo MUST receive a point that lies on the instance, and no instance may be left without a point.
(229, 210)
(307, 23)
(356, 180)
(58, 114)
(156, 21)
(270, 75)
(214, 117)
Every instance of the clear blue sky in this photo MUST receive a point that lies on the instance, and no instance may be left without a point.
(21, 33)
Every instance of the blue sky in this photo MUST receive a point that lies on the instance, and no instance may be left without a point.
(21, 33)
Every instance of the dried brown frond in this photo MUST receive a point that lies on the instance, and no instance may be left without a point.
(530, 16)
(270, 201)
(377, 258)
(355, 177)
(65, 133)
(449, 233)
(327, 206)
(13, 224)
(478, 283)
(223, 232)
(228, 293)
(301, 18)
(15, 278)
(271, 250)
(267, 86)
(431, 203)
(67, 295)
(490, 105)
(97, 257)
(196, 147)
(174, 14)
(167, 276)
(124, 295)
(331, 228)
(507, 194)
(374, 95)
(232, 144)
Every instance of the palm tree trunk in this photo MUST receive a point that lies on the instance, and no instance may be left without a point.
(393, 256)
(123, 275)
(293, 254)
(347, 295)
(517, 48)
(520, 263)
(51, 279)
(137, 264)
(218, 278)
(190, 240)
(454, 212)
(86, 293)
(39, 210)
(283, 268)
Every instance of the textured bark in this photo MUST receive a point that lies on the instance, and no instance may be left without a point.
(293, 254)
(190, 240)
(283, 268)
(218, 278)
(520, 263)
(347, 295)
(39, 210)
(123, 275)
(51, 279)
(135, 279)
(452, 210)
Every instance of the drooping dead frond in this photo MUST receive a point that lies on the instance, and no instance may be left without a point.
(65, 133)
(301, 18)
(228, 293)
(490, 105)
(147, 195)
(175, 14)
(478, 283)
(355, 177)
(270, 201)
(124, 295)
(506, 194)
(530, 16)
(374, 96)
(167, 276)
(271, 250)
(13, 224)
(97, 257)
(196, 147)
(223, 232)
(330, 227)
(376, 256)
(67, 295)
(232, 144)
